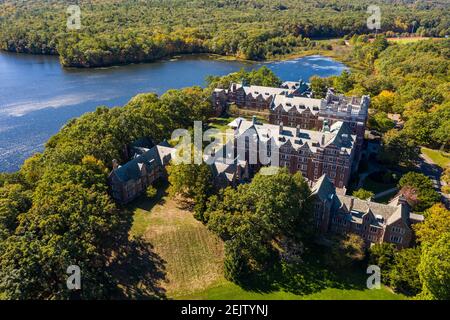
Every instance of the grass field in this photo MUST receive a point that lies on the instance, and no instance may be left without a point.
(192, 255)
(190, 260)
(230, 291)
(376, 187)
(403, 40)
(441, 158)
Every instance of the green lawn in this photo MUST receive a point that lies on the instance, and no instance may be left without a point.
(230, 291)
(191, 255)
(220, 123)
(385, 198)
(376, 187)
(190, 263)
(403, 40)
(441, 158)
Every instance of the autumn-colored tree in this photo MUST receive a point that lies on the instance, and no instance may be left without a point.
(437, 222)
(434, 269)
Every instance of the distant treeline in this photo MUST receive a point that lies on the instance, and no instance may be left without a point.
(130, 31)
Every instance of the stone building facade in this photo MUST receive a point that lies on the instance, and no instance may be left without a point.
(293, 107)
(374, 222)
(313, 153)
(148, 163)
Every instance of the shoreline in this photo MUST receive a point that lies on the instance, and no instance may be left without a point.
(212, 56)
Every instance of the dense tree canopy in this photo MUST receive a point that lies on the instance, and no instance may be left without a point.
(404, 276)
(434, 269)
(56, 211)
(363, 194)
(71, 222)
(116, 32)
(437, 222)
(419, 190)
(258, 218)
(410, 79)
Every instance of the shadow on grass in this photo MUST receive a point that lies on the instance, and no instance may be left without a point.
(144, 203)
(310, 276)
(138, 271)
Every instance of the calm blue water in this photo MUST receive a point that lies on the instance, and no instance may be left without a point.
(37, 96)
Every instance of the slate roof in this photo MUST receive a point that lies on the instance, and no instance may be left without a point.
(301, 104)
(263, 91)
(339, 135)
(355, 208)
(323, 188)
(140, 146)
(224, 164)
(158, 155)
(283, 97)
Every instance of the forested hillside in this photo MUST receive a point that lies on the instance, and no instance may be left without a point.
(412, 80)
(119, 32)
(56, 211)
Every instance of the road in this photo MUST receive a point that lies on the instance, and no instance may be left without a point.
(434, 172)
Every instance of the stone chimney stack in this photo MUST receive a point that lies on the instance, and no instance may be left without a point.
(297, 131)
(325, 127)
(281, 127)
(323, 140)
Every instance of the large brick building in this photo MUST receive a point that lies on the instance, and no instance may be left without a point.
(313, 153)
(291, 105)
(333, 212)
(147, 163)
(374, 222)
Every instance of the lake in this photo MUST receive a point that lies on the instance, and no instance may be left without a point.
(37, 96)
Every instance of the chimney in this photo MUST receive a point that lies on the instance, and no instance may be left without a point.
(326, 127)
(323, 140)
(254, 120)
(115, 164)
(297, 131)
(281, 127)
(351, 204)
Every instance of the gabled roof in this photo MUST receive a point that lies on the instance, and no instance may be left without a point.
(339, 135)
(342, 138)
(323, 188)
(158, 155)
(236, 122)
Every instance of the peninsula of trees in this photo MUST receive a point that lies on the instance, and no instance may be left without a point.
(121, 32)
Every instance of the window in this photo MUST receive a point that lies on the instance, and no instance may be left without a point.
(396, 239)
(373, 229)
(398, 230)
